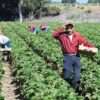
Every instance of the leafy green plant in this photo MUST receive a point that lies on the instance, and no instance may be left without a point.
(35, 79)
(52, 51)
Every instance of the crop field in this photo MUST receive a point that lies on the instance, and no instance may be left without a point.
(38, 63)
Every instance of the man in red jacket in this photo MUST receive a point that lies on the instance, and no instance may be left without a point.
(71, 43)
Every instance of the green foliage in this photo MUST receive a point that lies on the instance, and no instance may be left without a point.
(68, 1)
(53, 10)
(93, 1)
(37, 81)
(35, 6)
(1, 74)
(53, 52)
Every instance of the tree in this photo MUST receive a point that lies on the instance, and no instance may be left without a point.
(68, 1)
(8, 9)
(93, 1)
(12, 9)
(34, 6)
(20, 4)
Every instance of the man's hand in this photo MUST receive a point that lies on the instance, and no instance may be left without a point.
(94, 50)
(82, 47)
(88, 49)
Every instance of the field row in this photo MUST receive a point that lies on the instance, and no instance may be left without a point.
(47, 46)
(36, 80)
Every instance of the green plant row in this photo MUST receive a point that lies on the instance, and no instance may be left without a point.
(34, 77)
(90, 69)
(1, 75)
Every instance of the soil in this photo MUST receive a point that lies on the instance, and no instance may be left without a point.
(8, 87)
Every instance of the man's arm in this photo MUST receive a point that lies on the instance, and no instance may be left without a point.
(58, 32)
(87, 46)
(85, 42)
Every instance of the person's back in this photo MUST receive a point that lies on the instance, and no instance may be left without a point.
(5, 47)
(3, 39)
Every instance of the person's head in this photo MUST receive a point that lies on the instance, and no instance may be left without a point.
(69, 28)
(43, 24)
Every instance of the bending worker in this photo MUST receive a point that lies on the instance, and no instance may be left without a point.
(5, 47)
(4, 41)
(32, 28)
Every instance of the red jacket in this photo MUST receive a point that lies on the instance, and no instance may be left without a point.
(68, 46)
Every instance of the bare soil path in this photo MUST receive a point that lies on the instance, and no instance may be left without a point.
(8, 88)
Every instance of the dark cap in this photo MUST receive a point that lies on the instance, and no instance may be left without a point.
(69, 25)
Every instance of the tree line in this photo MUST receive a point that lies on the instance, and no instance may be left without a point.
(14, 9)
(74, 1)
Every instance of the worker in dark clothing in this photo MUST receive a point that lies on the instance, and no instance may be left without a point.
(71, 43)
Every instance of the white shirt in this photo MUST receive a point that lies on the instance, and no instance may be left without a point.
(3, 39)
(70, 37)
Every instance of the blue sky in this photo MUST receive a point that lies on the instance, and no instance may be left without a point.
(80, 1)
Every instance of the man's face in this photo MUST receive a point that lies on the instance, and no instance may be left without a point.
(69, 30)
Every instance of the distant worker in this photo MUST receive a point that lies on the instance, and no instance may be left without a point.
(71, 43)
(5, 45)
(4, 41)
(32, 28)
(44, 27)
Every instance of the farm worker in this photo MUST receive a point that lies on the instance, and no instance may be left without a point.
(71, 41)
(44, 27)
(33, 28)
(5, 47)
(4, 41)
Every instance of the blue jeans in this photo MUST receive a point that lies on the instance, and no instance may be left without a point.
(72, 69)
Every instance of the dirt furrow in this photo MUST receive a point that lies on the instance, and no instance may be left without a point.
(8, 87)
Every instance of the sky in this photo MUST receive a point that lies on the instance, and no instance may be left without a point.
(80, 1)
